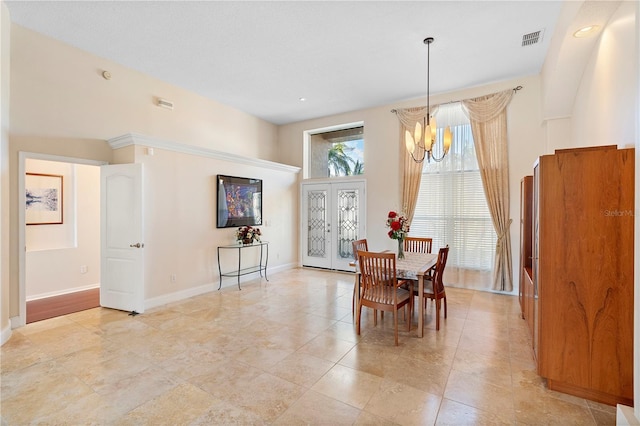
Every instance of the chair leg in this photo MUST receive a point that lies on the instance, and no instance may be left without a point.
(353, 301)
(445, 306)
(395, 324)
(359, 318)
(411, 308)
(437, 314)
(408, 307)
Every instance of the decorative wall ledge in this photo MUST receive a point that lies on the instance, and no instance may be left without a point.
(137, 139)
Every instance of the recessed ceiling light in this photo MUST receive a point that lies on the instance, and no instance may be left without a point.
(302, 99)
(586, 31)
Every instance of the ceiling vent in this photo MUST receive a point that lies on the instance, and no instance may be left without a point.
(532, 38)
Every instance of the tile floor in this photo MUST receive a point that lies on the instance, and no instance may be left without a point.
(285, 353)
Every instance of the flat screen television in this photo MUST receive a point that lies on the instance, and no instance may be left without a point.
(239, 201)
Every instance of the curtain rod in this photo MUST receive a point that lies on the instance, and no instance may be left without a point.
(515, 89)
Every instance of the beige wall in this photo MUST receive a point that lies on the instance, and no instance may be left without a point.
(180, 233)
(382, 147)
(605, 108)
(62, 89)
(61, 105)
(56, 253)
(5, 50)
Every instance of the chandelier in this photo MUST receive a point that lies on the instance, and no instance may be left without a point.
(426, 144)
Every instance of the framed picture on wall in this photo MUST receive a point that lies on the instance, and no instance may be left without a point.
(43, 199)
(239, 202)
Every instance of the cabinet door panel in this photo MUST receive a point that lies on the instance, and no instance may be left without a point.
(585, 274)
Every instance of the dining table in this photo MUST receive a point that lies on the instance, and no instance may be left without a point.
(414, 266)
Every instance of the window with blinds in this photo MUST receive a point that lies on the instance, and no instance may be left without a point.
(452, 207)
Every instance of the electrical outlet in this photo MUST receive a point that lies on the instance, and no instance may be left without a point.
(173, 278)
(84, 269)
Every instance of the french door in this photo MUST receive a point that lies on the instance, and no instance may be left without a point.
(333, 216)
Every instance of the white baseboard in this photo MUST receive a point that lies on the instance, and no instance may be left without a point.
(626, 417)
(178, 295)
(17, 322)
(5, 335)
(206, 288)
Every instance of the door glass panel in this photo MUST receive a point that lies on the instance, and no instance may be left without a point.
(333, 216)
(348, 212)
(317, 223)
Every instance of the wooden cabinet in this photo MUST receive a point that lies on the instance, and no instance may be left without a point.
(583, 271)
(526, 289)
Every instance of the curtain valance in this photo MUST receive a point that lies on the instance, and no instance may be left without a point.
(409, 116)
(485, 108)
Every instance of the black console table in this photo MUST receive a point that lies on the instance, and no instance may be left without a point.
(239, 271)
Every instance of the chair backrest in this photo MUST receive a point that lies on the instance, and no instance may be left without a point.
(438, 284)
(417, 244)
(379, 283)
(359, 245)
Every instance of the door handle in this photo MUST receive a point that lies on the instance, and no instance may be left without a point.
(136, 245)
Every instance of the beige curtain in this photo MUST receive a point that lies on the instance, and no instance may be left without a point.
(410, 171)
(488, 116)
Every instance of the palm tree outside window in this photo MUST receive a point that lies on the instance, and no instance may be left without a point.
(337, 153)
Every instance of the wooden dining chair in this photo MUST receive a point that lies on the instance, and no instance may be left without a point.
(381, 288)
(417, 244)
(434, 286)
(358, 245)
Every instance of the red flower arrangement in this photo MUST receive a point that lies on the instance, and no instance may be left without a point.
(398, 225)
(248, 234)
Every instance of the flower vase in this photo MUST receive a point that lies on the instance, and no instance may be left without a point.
(401, 248)
(247, 241)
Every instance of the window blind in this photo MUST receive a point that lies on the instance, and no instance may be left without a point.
(452, 207)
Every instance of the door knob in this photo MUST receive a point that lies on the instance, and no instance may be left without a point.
(136, 245)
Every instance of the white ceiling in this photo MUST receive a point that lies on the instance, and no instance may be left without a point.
(262, 57)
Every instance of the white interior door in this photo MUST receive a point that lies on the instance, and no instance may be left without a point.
(333, 216)
(121, 229)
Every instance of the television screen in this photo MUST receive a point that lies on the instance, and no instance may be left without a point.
(239, 201)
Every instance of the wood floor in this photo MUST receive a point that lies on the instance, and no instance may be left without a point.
(50, 307)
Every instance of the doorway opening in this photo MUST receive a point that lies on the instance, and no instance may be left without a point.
(59, 268)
